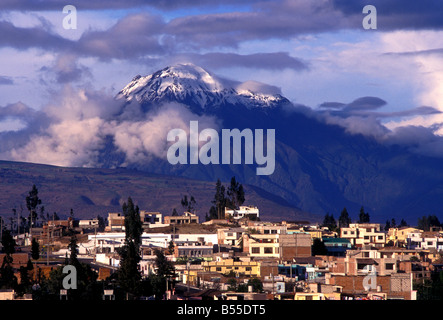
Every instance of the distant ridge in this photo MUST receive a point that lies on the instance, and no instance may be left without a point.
(91, 192)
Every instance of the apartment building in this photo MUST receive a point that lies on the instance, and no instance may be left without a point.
(361, 234)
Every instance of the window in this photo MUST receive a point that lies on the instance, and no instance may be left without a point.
(380, 237)
(345, 232)
(268, 250)
(248, 269)
(218, 269)
(389, 266)
(255, 250)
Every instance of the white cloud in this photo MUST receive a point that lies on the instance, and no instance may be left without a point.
(83, 119)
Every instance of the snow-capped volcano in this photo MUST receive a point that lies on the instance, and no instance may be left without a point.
(197, 88)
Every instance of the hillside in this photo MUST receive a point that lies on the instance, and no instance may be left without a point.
(91, 192)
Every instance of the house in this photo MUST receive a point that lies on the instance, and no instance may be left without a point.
(360, 234)
(425, 241)
(152, 219)
(187, 218)
(398, 236)
(116, 222)
(88, 224)
(230, 236)
(261, 245)
(250, 212)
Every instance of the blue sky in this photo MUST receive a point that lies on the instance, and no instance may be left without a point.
(316, 52)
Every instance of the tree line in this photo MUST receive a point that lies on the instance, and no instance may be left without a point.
(424, 223)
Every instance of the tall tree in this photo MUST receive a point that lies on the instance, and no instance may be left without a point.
(129, 276)
(7, 278)
(133, 224)
(344, 220)
(8, 242)
(387, 225)
(165, 270)
(73, 247)
(212, 214)
(32, 203)
(235, 194)
(426, 222)
(35, 249)
(363, 216)
(329, 222)
(188, 204)
(220, 199)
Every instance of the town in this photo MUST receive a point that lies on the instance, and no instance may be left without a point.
(233, 256)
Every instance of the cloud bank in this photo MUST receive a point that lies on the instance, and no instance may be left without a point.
(76, 127)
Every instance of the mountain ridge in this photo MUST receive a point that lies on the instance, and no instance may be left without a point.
(98, 191)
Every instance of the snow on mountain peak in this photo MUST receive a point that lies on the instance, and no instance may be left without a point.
(192, 85)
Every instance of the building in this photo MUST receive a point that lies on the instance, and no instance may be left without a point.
(279, 246)
(250, 212)
(116, 222)
(239, 267)
(230, 236)
(425, 241)
(152, 219)
(261, 245)
(397, 286)
(361, 234)
(187, 218)
(88, 224)
(398, 236)
(295, 245)
(337, 246)
(194, 250)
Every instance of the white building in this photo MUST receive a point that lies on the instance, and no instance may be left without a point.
(243, 211)
(424, 241)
